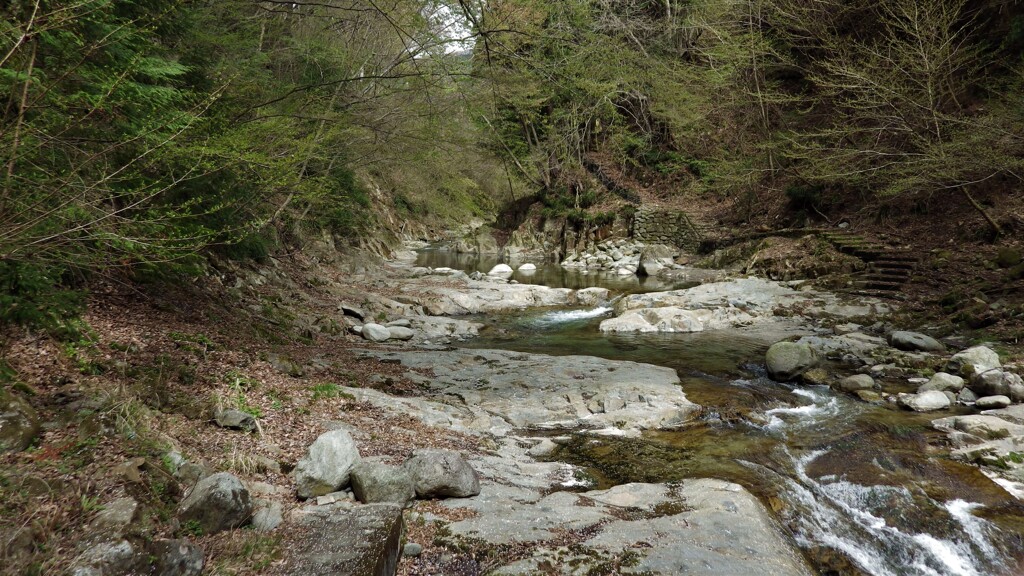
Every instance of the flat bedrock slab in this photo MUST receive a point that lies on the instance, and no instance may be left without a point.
(699, 527)
(497, 391)
(734, 303)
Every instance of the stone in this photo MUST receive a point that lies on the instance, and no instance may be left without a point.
(115, 517)
(545, 447)
(285, 365)
(973, 361)
(1008, 257)
(412, 550)
(924, 402)
(528, 267)
(991, 402)
(364, 540)
(235, 419)
(856, 382)
(869, 396)
(339, 496)
(130, 470)
(815, 377)
(375, 332)
(19, 543)
(500, 270)
(996, 382)
(375, 482)
(591, 296)
(787, 360)
(352, 311)
(327, 464)
(401, 333)
(847, 328)
(19, 423)
(268, 516)
(218, 502)
(943, 382)
(966, 396)
(175, 558)
(914, 341)
(105, 558)
(401, 323)
(192, 472)
(441, 474)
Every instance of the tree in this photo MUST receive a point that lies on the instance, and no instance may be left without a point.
(897, 94)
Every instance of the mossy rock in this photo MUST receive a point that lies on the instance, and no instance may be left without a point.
(1008, 257)
(19, 423)
(1015, 273)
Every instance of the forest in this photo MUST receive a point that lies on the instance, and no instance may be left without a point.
(139, 134)
(202, 203)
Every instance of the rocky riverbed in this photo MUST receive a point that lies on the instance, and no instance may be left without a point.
(646, 460)
(837, 341)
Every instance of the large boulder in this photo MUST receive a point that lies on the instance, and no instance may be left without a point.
(924, 401)
(401, 333)
(787, 360)
(914, 341)
(377, 482)
(218, 502)
(375, 332)
(996, 382)
(327, 465)
(943, 382)
(655, 257)
(19, 423)
(441, 473)
(973, 361)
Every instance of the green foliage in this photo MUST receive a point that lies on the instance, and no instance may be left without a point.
(804, 197)
(35, 296)
(192, 528)
(240, 385)
(329, 390)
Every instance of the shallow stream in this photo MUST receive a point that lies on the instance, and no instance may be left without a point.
(856, 484)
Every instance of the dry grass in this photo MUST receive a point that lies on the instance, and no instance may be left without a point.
(148, 381)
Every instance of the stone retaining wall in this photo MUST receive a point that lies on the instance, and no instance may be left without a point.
(672, 227)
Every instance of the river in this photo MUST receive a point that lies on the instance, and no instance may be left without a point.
(856, 484)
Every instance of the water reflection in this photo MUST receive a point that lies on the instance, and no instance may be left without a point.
(550, 273)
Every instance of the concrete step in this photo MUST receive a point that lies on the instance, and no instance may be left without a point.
(884, 294)
(878, 285)
(878, 277)
(883, 263)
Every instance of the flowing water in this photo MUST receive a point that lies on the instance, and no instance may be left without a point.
(856, 484)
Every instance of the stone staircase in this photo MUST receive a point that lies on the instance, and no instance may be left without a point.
(888, 268)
